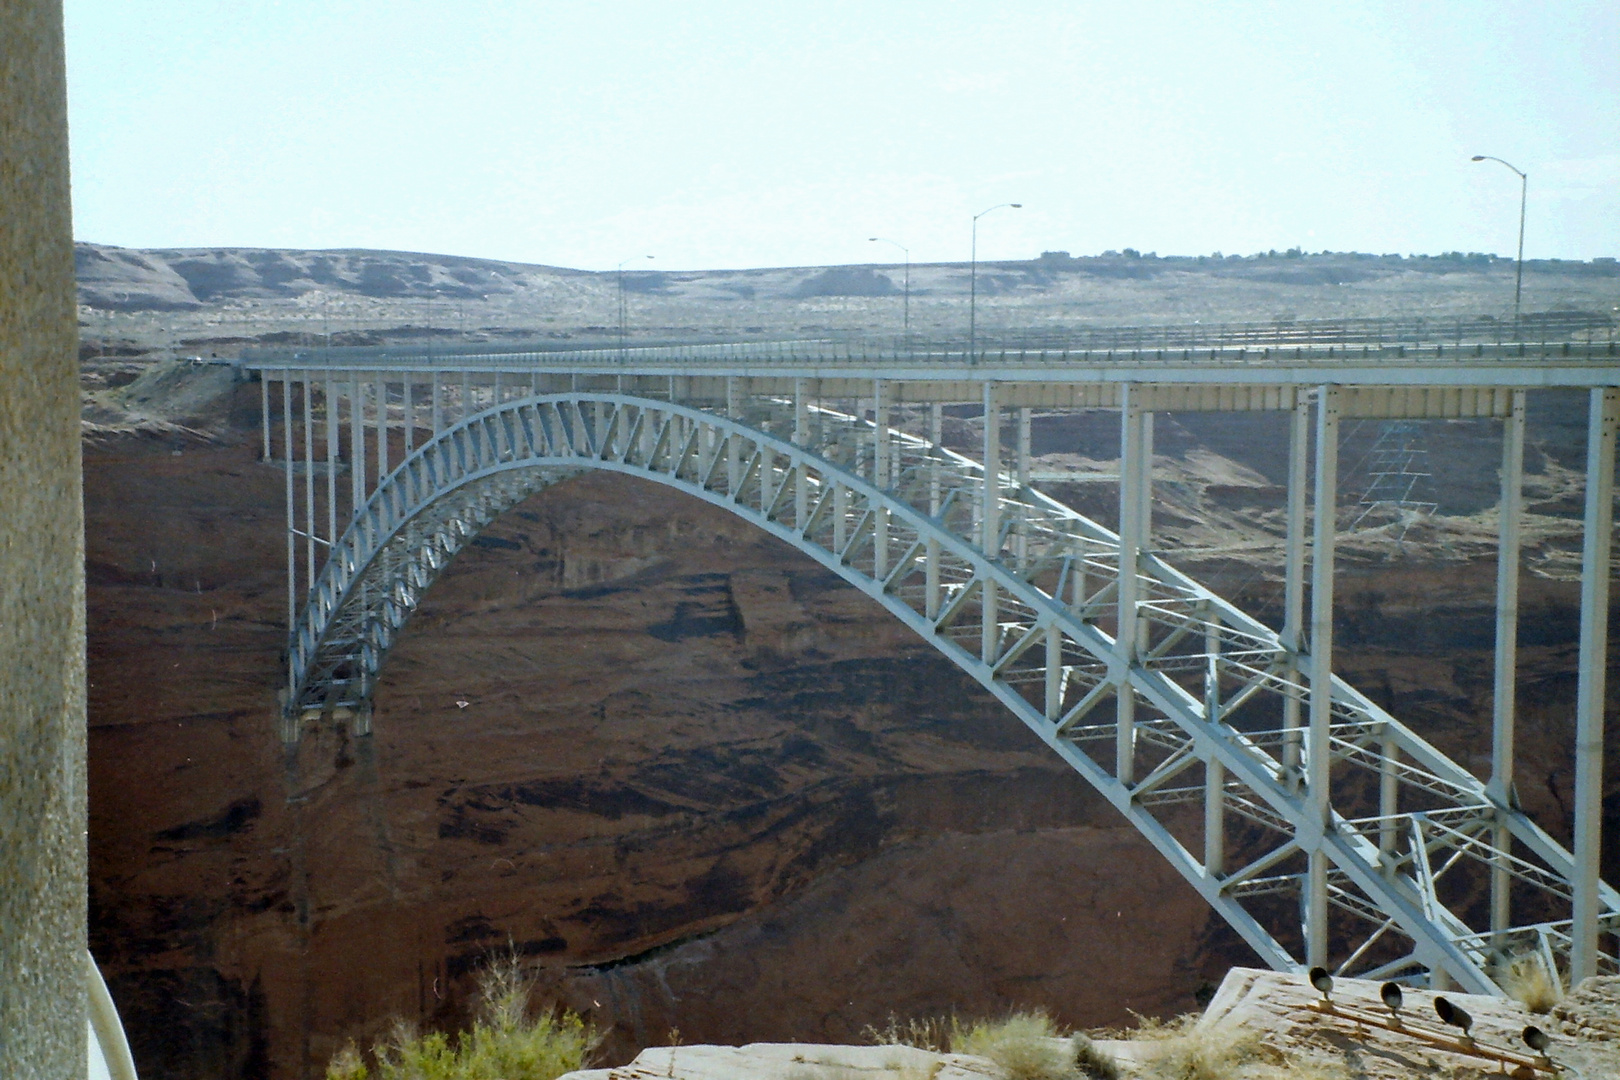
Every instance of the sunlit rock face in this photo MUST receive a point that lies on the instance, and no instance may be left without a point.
(662, 756)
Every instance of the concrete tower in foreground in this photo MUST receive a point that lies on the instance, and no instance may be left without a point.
(42, 688)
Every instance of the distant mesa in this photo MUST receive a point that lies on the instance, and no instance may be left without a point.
(126, 279)
(846, 281)
(174, 279)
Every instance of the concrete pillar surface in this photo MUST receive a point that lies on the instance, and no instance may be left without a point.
(42, 719)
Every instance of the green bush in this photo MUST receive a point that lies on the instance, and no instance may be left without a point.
(503, 1043)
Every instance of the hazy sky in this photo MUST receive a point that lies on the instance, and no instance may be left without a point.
(727, 134)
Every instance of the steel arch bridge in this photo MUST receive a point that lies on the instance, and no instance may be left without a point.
(1319, 826)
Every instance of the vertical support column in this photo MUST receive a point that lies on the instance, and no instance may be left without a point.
(1321, 716)
(733, 449)
(1214, 818)
(840, 516)
(1507, 642)
(1293, 630)
(990, 516)
(1602, 419)
(880, 479)
(309, 479)
(264, 411)
(936, 435)
(292, 516)
(990, 538)
(1023, 446)
(1135, 487)
(331, 461)
(1145, 486)
(936, 440)
(357, 446)
(1389, 790)
(1214, 771)
(1021, 542)
(438, 406)
(801, 438)
(1054, 673)
(382, 429)
(410, 416)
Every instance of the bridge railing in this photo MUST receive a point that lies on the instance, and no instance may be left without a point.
(1561, 335)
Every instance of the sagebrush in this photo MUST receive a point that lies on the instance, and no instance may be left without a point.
(1026, 1046)
(504, 1042)
(1526, 979)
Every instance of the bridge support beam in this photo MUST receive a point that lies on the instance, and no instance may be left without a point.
(438, 407)
(1135, 508)
(309, 477)
(1293, 631)
(292, 520)
(801, 437)
(1214, 771)
(1317, 767)
(331, 406)
(880, 478)
(733, 448)
(1507, 642)
(990, 520)
(1602, 420)
(357, 448)
(381, 423)
(931, 583)
(1021, 549)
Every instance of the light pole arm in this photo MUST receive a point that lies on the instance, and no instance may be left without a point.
(973, 280)
(1524, 193)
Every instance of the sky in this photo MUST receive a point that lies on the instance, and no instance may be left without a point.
(727, 134)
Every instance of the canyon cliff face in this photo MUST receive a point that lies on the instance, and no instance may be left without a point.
(696, 781)
(691, 775)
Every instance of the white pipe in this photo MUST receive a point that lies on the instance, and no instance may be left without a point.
(1602, 420)
(1507, 634)
(1321, 716)
(1293, 634)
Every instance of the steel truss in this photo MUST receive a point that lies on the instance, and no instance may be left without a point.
(1319, 826)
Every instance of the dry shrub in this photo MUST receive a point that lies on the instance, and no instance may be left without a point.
(933, 1033)
(1184, 1049)
(503, 1043)
(1025, 1045)
(1092, 1062)
(1525, 978)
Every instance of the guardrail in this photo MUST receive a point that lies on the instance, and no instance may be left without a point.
(1573, 334)
(858, 352)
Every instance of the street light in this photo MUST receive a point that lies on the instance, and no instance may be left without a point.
(620, 272)
(902, 247)
(1518, 273)
(973, 279)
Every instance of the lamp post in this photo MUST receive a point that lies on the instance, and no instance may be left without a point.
(1518, 272)
(620, 273)
(973, 280)
(902, 247)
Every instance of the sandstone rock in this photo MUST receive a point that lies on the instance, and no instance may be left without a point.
(1287, 1010)
(794, 1061)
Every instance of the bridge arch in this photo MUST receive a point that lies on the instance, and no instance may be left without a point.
(1026, 596)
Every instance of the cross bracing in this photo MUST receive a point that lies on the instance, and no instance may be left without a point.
(1319, 826)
